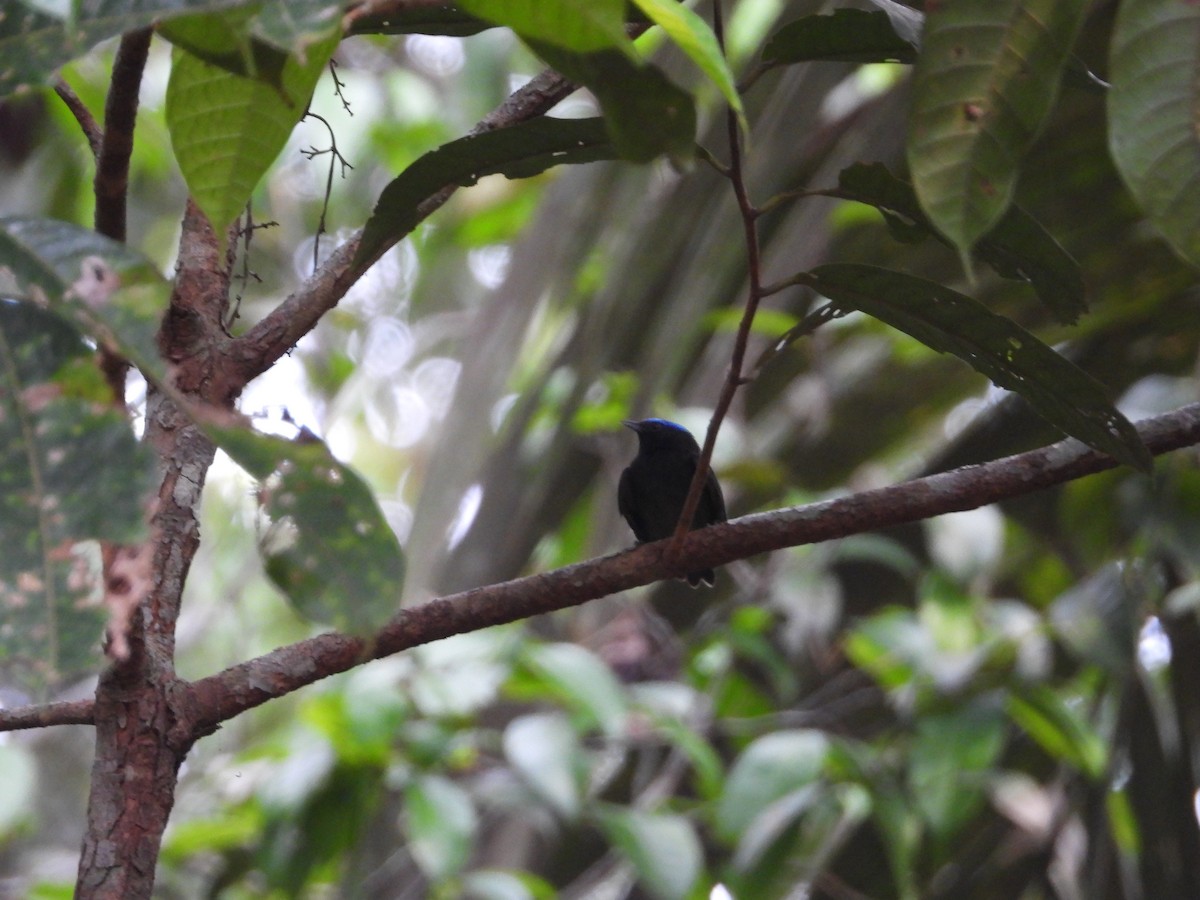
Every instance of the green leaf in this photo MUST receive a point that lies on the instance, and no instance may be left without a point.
(518, 152)
(582, 680)
(1059, 729)
(1099, 617)
(583, 26)
(1154, 62)
(441, 824)
(693, 36)
(494, 884)
(542, 748)
(984, 84)
(1010, 356)
(645, 113)
(846, 35)
(951, 756)
(227, 129)
(33, 43)
(420, 19)
(663, 848)
(70, 468)
(330, 549)
(772, 767)
(1017, 247)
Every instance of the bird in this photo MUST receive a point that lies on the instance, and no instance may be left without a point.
(652, 490)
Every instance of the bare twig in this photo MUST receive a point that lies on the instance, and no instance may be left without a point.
(87, 122)
(335, 158)
(733, 377)
(278, 332)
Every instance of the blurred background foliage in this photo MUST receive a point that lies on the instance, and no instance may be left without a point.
(990, 704)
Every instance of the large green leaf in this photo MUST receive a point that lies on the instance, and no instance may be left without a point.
(582, 26)
(71, 470)
(693, 36)
(845, 35)
(646, 114)
(518, 152)
(1017, 247)
(441, 823)
(984, 83)
(227, 129)
(769, 769)
(33, 43)
(1155, 63)
(1010, 356)
(330, 549)
(663, 848)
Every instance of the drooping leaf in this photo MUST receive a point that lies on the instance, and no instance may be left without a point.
(646, 114)
(518, 152)
(71, 470)
(845, 35)
(1155, 59)
(693, 36)
(227, 129)
(1010, 356)
(1017, 247)
(330, 549)
(663, 849)
(985, 81)
(582, 26)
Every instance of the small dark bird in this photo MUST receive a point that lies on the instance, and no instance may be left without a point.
(653, 489)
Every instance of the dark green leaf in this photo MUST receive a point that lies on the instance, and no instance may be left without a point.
(1017, 247)
(663, 848)
(330, 550)
(984, 83)
(1010, 356)
(645, 113)
(772, 767)
(1060, 730)
(1152, 115)
(71, 471)
(518, 152)
(845, 35)
(34, 44)
(421, 19)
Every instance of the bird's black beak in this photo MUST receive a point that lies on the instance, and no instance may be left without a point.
(632, 424)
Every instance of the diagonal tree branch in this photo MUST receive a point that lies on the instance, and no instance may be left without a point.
(120, 115)
(203, 705)
(298, 314)
(219, 697)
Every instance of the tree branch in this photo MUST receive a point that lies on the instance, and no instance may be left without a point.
(203, 705)
(210, 701)
(120, 115)
(87, 122)
(733, 376)
(67, 712)
(278, 332)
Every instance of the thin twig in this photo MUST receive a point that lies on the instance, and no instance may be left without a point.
(280, 329)
(87, 122)
(335, 157)
(733, 377)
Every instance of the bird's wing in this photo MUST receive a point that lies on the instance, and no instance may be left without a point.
(713, 498)
(626, 506)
